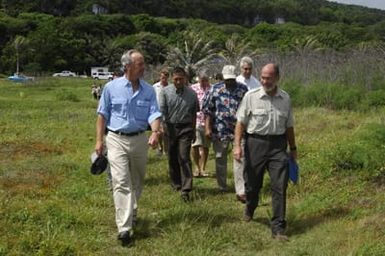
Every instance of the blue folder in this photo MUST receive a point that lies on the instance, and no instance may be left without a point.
(293, 170)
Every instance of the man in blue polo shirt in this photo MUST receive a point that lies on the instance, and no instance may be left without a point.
(128, 104)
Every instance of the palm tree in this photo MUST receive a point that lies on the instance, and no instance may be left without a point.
(195, 54)
(235, 48)
(305, 50)
(19, 42)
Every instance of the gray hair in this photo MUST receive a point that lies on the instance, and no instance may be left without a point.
(246, 60)
(126, 57)
(202, 74)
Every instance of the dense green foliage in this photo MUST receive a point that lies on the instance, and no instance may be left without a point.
(49, 36)
(245, 12)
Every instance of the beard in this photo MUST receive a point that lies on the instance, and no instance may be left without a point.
(269, 89)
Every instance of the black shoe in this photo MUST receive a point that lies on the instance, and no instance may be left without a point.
(185, 197)
(247, 215)
(125, 238)
(280, 236)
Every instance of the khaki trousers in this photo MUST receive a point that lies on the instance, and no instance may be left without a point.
(127, 156)
(221, 152)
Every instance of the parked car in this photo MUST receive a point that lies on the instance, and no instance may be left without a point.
(102, 75)
(65, 73)
(19, 78)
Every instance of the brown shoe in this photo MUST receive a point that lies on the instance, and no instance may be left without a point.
(247, 216)
(280, 237)
(197, 174)
(241, 198)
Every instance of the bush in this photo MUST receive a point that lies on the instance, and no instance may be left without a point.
(64, 95)
(346, 97)
(331, 96)
(294, 89)
(375, 98)
(365, 149)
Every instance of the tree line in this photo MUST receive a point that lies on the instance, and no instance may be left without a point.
(306, 12)
(43, 43)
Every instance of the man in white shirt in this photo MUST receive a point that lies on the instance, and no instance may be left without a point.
(163, 82)
(246, 64)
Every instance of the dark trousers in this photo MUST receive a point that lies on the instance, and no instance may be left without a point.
(267, 153)
(179, 138)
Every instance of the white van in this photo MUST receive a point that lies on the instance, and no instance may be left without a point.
(102, 75)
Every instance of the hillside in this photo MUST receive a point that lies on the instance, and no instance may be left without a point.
(43, 37)
(247, 12)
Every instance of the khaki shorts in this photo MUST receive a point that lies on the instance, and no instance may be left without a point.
(201, 140)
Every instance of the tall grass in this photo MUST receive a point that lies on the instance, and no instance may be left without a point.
(50, 204)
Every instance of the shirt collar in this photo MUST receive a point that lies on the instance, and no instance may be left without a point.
(179, 90)
(262, 93)
(128, 83)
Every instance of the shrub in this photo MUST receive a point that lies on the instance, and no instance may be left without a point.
(327, 95)
(365, 149)
(346, 97)
(294, 89)
(64, 95)
(375, 98)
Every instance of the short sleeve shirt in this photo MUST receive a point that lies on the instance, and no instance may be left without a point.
(221, 104)
(125, 110)
(265, 115)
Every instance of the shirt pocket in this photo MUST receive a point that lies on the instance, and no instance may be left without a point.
(259, 117)
(119, 108)
(142, 110)
(282, 119)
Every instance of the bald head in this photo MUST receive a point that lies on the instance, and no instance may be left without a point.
(270, 77)
(271, 67)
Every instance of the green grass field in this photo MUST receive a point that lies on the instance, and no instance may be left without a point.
(52, 205)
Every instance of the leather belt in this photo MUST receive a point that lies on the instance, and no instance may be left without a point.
(266, 137)
(130, 134)
(181, 125)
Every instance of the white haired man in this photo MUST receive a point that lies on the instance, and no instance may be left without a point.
(126, 108)
(246, 77)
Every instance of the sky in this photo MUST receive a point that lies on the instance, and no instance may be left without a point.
(379, 4)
